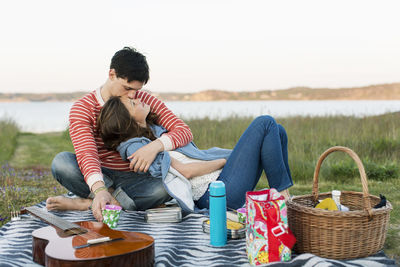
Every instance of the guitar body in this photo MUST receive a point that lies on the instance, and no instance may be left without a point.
(52, 247)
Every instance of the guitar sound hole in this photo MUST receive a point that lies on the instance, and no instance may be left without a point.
(75, 231)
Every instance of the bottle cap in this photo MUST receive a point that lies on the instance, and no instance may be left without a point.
(217, 189)
(336, 193)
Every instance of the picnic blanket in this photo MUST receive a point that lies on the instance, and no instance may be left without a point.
(176, 244)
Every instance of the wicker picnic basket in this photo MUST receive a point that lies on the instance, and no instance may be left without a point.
(357, 233)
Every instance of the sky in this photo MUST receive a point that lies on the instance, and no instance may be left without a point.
(66, 46)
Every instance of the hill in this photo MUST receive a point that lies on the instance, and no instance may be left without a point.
(372, 92)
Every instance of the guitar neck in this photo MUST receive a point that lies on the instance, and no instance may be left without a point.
(56, 221)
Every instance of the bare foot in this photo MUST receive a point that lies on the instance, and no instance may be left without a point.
(65, 203)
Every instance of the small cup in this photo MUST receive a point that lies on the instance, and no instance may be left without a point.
(241, 215)
(111, 215)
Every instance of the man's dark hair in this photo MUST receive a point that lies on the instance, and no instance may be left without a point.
(131, 65)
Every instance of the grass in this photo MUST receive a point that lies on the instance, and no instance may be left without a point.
(38, 150)
(376, 140)
(25, 178)
(24, 187)
(8, 138)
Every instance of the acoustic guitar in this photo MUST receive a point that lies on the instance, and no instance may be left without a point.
(87, 244)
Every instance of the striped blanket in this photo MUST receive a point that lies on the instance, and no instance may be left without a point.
(178, 244)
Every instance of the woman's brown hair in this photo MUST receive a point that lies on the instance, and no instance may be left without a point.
(115, 124)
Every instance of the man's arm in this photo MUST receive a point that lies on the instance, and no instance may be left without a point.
(81, 129)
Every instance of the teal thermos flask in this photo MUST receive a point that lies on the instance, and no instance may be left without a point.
(217, 214)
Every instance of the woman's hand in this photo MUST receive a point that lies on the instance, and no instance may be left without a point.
(144, 156)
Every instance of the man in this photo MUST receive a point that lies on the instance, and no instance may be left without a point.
(99, 174)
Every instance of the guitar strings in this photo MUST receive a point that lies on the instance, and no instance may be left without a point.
(89, 234)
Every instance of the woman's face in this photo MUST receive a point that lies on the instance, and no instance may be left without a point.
(137, 110)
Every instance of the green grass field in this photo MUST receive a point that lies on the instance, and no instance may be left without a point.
(25, 177)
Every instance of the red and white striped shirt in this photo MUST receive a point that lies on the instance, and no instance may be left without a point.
(91, 153)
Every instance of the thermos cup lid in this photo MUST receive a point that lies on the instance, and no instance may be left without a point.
(217, 188)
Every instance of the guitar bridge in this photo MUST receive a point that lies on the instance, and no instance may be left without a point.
(98, 240)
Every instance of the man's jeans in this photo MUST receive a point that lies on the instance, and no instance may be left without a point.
(133, 191)
(263, 146)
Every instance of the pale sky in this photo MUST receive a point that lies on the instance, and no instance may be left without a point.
(66, 46)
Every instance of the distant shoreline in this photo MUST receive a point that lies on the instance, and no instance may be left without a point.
(373, 92)
(53, 116)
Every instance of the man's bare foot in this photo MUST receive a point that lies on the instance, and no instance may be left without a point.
(65, 203)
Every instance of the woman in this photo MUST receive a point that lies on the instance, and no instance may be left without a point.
(126, 125)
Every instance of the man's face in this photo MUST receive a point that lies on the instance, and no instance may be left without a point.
(121, 87)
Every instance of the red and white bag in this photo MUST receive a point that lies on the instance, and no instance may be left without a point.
(268, 237)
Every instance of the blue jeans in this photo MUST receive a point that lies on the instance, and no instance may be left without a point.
(133, 191)
(263, 146)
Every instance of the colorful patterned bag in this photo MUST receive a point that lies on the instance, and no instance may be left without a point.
(268, 237)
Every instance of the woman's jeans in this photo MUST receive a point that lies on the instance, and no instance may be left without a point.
(263, 146)
(133, 191)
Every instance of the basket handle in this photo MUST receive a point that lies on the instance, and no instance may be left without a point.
(364, 182)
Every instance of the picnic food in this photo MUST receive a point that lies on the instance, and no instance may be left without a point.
(231, 225)
(231, 233)
(327, 204)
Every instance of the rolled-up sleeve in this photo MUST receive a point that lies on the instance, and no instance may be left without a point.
(129, 147)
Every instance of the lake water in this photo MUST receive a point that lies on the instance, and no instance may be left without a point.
(39, 117)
